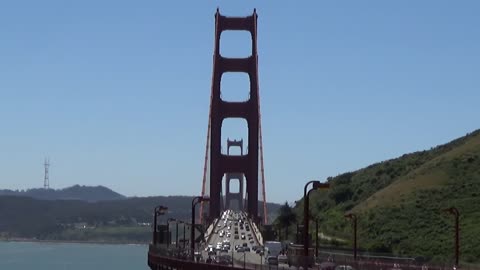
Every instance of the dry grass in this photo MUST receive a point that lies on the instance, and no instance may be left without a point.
(430, 175)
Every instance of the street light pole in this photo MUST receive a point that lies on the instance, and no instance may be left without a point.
(353, 217)
(454, 211)
(316, 238)
(176, 234)
(195, 201)
(169, 233)
(158, 211)
(155, 226)
(233, 246)
(316, 185)
(184, 228)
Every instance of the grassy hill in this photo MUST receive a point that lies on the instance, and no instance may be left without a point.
(399, 202)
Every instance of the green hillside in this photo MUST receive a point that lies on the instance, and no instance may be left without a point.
(399, 202)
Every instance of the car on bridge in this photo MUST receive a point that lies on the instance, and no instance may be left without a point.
(344, 267)
(282, 258)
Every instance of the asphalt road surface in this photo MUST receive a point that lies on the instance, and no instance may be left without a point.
(224, 231)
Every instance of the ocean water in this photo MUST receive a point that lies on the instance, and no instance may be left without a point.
(70, 256)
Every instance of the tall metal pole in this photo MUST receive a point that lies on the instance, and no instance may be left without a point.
(457, 237)
(195, 200)
(355, 237)
(157, 211)
(316, 238)
(155, 226)
(46, 180)
(168, 234)
(454, 211)
(306, 204)
(305, 218)
(184, 229)
(192, 228)
(176, 234)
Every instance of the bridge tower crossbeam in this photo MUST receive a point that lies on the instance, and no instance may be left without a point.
(221, 164)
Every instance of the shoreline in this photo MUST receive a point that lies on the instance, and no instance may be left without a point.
(95, 242)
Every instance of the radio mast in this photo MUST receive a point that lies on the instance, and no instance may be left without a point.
(46, 180)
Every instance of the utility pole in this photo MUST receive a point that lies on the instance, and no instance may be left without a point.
(46, 180)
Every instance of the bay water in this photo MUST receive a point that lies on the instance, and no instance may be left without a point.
(71, 256)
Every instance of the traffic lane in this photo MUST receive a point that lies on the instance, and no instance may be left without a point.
(224, 226)
(215, 239)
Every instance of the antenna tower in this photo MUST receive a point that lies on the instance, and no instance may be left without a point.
(46, 180)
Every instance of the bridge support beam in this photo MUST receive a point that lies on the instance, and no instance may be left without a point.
(249, 110)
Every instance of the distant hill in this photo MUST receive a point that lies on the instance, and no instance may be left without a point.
(76, 192)
(399, 202)
(53, 218)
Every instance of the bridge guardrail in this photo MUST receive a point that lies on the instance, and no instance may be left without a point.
(256, 231)
(160, 256)
(211, 228)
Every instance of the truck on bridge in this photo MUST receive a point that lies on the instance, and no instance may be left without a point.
(272, 250)
(296, 255)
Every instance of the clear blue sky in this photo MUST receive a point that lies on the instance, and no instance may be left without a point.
(117, 92)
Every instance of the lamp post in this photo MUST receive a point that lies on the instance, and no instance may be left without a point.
(233, 247)
(181, 222)
(169, 238)
(316, 238)
(195, 201)
(316, 185)
(158, 211)
(176, 234)
(244, 260)
(454, 211)
(184, 229)
(353, 217)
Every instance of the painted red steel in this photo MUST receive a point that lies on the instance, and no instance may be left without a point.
(229, 195)
(207, 146)
(262, 169)
(249, 110)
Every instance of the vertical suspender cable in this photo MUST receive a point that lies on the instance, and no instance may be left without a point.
(262, 170)
(207, 145)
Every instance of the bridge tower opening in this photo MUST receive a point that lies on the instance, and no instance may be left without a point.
(249, 165)
(230, 196)
(221, 164)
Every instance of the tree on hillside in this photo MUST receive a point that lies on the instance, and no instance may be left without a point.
(286, 217)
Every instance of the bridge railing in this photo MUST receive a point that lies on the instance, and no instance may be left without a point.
(179, 258)
(328, 262)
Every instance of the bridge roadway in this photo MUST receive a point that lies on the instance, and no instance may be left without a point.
(224, 231)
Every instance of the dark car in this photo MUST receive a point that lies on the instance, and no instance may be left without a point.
(272, 260)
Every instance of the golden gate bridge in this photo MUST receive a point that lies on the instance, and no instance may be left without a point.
(225, 226)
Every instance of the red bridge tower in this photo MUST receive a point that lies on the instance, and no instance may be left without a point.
(249, 110)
